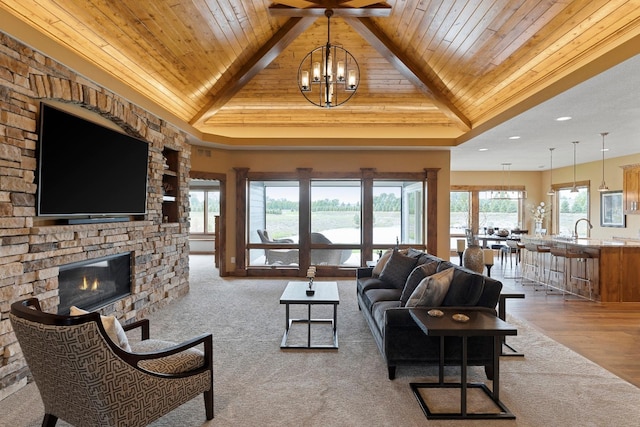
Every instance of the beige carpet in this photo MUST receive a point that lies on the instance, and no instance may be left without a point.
(257, 384)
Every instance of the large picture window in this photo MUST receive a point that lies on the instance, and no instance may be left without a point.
(331, 222)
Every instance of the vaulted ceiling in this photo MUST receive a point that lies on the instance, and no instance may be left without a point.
(433, 72)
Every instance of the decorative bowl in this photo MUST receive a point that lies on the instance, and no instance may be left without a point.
(503, 232)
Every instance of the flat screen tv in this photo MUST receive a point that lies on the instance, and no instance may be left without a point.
(88, 170)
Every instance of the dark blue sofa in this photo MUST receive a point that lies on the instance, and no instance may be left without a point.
(400, 340)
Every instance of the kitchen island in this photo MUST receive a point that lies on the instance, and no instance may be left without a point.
(614, 267)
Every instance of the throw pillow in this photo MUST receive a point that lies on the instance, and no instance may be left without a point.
(431, 290)
(397, 269)
(414, 279)
(381, 263)
(111, 325)
(465, 290)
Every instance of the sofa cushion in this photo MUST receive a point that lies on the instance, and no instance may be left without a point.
(381, 263)
(445, 265)
(397, 269)
(373, 296)
(490, 293)
(366, 284)
(378, 309)
(416, 276)
(431, 290)
(465, 289)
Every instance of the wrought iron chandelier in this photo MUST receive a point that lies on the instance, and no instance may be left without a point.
(329, 75)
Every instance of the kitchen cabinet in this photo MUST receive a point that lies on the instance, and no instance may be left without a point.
(631, 189)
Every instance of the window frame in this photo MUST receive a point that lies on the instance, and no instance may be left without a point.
(304, 176)
(555, 215)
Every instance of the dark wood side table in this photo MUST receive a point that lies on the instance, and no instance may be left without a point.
(480, 324)
(502, 314)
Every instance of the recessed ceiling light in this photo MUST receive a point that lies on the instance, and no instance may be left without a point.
(483, 149)
(514, 137)
(604, 149)
(563, 118)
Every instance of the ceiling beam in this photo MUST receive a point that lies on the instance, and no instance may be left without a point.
(258, 62)
(377, 10)
(408, 68)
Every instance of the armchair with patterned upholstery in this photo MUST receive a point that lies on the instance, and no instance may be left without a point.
(86, 378)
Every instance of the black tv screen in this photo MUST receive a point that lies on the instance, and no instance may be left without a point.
(85, 169)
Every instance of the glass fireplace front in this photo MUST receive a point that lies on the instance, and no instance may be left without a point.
(94, 283)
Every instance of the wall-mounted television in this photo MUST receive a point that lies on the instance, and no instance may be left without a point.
(88, 170)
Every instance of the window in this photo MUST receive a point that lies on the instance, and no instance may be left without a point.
(498, 213)
(332, 222)
(205, 206)
(572, 207)
(335, 219)
(274, 208)
(479, 208)
(397, 212)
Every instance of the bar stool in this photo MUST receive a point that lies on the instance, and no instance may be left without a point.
(519, 248)
(534, 261)
(510, 249)
(585, 275)
(582, 275)
(558, 253)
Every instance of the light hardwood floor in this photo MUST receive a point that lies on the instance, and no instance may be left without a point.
(606, 333)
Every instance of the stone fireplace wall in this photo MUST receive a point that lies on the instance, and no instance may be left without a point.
(31, 250)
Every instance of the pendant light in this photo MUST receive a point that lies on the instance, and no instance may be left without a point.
(503, 193)
(574, 189)
(603, 185)
(551, 191)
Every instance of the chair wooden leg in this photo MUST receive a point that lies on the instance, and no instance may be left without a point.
(49, 420)
(208, 403)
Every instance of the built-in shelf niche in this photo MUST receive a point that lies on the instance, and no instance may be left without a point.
(170, 185)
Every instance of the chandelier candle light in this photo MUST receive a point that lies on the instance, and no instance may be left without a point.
(329, 75)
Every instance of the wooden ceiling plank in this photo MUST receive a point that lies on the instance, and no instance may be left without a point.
(408, 68)
(512, 69)
(438, 11)
(553, 43)
(469, 22)
(287, 34)
(576, 49)
(413, 23)
(62, 25)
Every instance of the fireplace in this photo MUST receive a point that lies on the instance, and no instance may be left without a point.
(94, 283)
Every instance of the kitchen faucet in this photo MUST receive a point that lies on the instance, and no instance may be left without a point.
(575, 227)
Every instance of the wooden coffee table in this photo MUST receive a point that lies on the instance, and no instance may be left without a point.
(479, 324)
(325, 293)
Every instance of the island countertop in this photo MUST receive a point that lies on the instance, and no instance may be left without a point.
(581, 242)
(615, 274)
